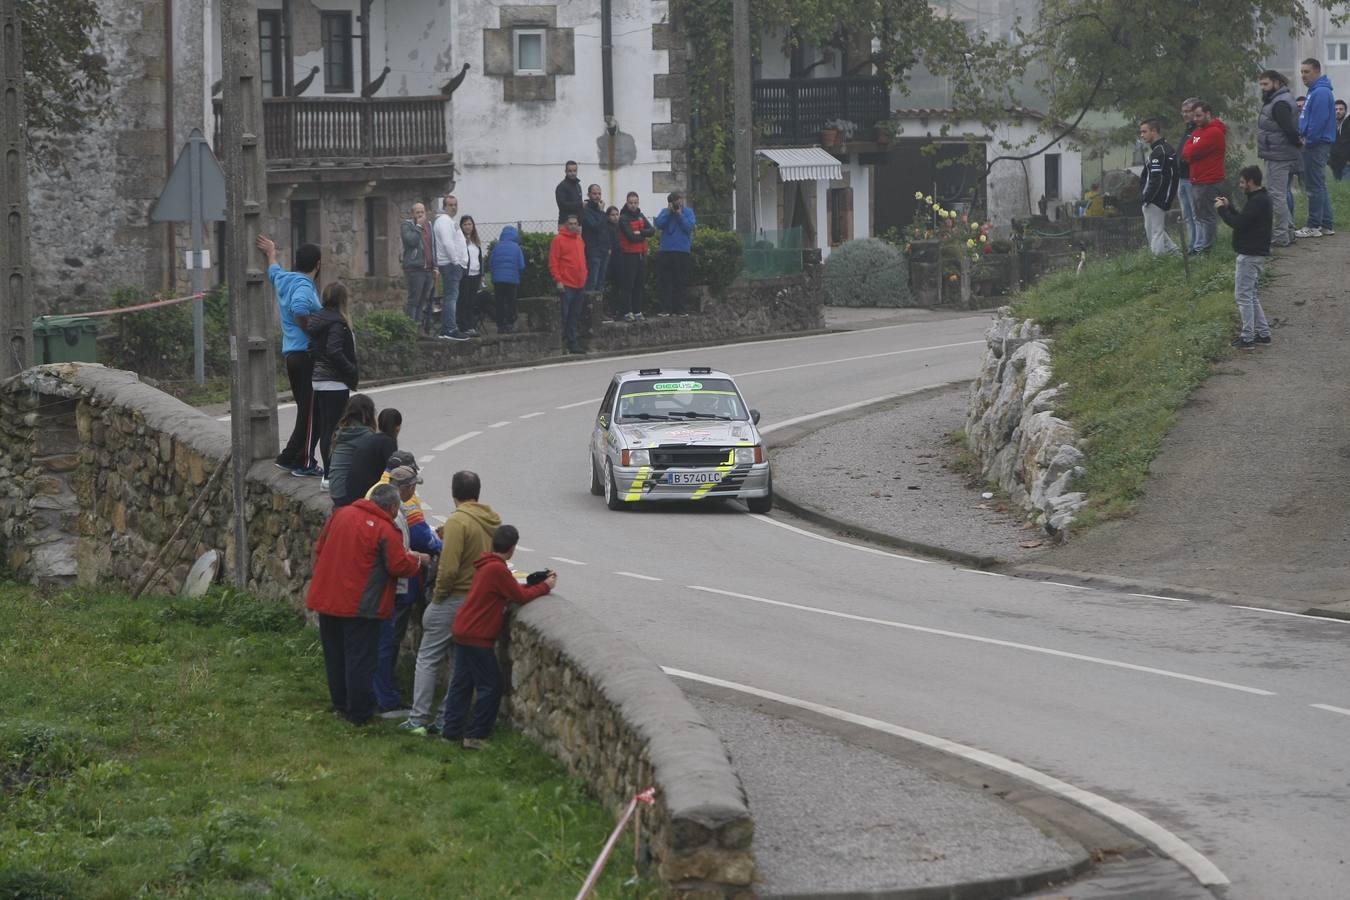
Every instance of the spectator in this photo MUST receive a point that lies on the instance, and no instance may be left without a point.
(417, 535)
(466, 536)
(476, 628)
(615, 248)
(507, 264)
(1157, 187)
(419, 265)
(1205, 152)
(1340, 151)
(473, 278)
(359, 555)
(335, 369)
(595, 235)
(297, 300)
(568, 193)
(676, 222)
(358, 420)
(1251, 239)
(1278, 143)
(1185, 193)
(452, 256)
(567, 265)
(1317, 125)
(370, 452)
(634, 230)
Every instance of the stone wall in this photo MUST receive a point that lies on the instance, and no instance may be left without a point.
(96, 471)
(1023, 446)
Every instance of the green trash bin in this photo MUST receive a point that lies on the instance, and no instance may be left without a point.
(65, 339)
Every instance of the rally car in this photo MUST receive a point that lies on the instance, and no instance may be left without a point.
(678, 434)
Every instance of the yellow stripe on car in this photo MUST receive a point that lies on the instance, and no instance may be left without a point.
(635, 492)
(723, 470)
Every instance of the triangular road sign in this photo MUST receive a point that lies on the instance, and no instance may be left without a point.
(175, 201)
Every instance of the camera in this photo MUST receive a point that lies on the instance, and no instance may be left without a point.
(535, 577)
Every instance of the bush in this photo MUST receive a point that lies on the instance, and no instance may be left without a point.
(385, 330)
(867, 272)
(158, 342)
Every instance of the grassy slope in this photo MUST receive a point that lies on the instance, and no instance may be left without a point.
(184, 748)
(1134, 338)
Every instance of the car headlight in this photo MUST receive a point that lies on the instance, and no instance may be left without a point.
(639, 457)
(745, 455)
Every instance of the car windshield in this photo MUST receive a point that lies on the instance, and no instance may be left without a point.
(679, 400)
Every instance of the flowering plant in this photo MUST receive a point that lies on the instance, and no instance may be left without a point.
(958, 234)
(845, 128)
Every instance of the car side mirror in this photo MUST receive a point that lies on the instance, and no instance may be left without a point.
(754, 416)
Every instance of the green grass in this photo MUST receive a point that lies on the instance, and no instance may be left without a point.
(1133, 339)
(185, 748)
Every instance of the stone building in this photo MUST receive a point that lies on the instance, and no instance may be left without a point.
(481, 97)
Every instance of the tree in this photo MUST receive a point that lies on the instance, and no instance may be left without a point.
(66, 78)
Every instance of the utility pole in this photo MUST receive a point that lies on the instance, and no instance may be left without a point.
(16, 289)
(744, 117)
(253, 392)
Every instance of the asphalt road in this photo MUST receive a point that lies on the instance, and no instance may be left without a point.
(1227, 727)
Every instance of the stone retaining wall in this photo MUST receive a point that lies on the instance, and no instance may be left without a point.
(96, 471)
(1011, 425)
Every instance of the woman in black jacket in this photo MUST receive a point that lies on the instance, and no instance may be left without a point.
(333, 346)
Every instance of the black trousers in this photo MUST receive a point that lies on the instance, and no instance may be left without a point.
(467, 312)
(300, 373)
(629, 280)
(351, 649)
(328, 409)
(673, 277)
(504, 296)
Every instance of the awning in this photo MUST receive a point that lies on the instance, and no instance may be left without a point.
(803, 163)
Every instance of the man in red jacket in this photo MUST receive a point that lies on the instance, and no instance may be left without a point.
(1203, 152)
(567, 265)
(357, 563)
(477, 626)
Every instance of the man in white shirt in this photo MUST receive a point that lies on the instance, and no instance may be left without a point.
(452, 255)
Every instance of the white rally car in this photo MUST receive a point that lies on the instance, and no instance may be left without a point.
(678, 434)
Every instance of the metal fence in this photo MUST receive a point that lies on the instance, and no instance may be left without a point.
(773, 254)
(491, 231)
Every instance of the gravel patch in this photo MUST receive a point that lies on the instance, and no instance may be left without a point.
(831, 816)
(891, 471)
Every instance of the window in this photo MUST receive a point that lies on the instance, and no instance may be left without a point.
(271, 53)
(304, 224)
(528, 50)
(337, 52)
(1052, 176)
(377, 236)
(1338, 51)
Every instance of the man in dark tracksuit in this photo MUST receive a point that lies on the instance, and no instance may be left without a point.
(1251, 239)
(1157, 187)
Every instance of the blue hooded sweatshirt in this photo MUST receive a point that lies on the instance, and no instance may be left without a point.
(296, 296)
(677, 232)
(508, 260)
(1317, 122)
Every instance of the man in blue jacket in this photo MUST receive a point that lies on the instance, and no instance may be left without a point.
(297, 300)
(1317, 126)
(676, 224)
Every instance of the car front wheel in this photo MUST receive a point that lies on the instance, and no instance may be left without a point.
(763, 504)
(612, 498)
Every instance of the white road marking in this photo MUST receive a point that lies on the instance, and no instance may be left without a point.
(1160, 597)
(983, 572)
(499, 424)
(570, 562)
(1076, 587)
(996, 642)
(1145, 829)
(796, 420)
(1336, 709)
(833, 362)
(524, 549)
(1280, 612)
(422, 460)
(861, 548)
(532, 415)
(579, 403)
(637, 576)
(456, 440)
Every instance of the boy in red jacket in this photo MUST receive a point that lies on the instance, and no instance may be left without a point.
(477, 626)
(567, 265)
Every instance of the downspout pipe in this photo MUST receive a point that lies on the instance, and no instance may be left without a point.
(607, 85)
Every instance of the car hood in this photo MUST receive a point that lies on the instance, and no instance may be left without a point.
(701, 431)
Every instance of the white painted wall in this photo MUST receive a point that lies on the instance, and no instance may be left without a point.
(509, 156)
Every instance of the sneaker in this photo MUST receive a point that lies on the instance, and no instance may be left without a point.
(283, 465)
(323, 484)
(414, 728)
(1326, 231)
(629, 317)
(393, 712)
(684, 315)
(663, 315)
(1240, 344)
(1263, 340)
(1308, 232)
(304, 472)
(637, 316)
(474, 744)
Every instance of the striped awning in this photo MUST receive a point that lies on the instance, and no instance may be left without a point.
(803, 163)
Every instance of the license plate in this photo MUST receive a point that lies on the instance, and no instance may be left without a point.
(692, 477)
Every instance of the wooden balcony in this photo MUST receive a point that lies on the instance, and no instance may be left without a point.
(795, 110)
(348, 138)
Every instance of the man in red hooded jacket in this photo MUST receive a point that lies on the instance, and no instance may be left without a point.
(477, 626)
(357, 563)
(1204, 151)
(567, 265)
